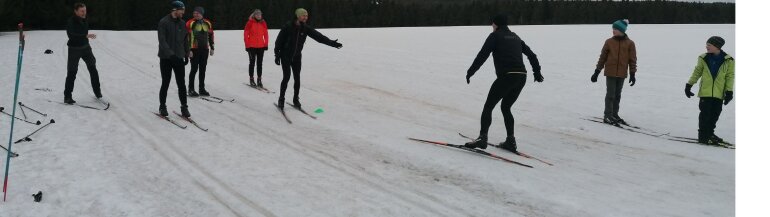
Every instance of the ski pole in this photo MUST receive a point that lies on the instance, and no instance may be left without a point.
(14, 111)
(11, 153)
(22, 112)
(15, 99)
(27, 139)
(25, 106)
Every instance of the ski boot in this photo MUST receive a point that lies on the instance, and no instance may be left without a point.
(280, 103)
(204, 92)
(185, 112)
(259, 83)
(481, 143)
(162, 111)
(251, 82)
(69, 100)
(610, 121)
(620, 121)
(509, 144)
(296, 103)
(192, 93)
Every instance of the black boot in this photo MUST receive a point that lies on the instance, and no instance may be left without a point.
(481, 142)
(259, 82)
(69, 100)
(296, 102)
(204, 92)
(162, 111)
(716, 138)
(251, 82)
(185, 112)
(509, 144)
(280, 103)
(620, 120)
(192, 93)
(703, 137)
(609, 120)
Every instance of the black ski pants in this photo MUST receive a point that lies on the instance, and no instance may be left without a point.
(290, 65)
(506, 88)
(166, 67)
(73, 58)
(199, 61)
(255, 54)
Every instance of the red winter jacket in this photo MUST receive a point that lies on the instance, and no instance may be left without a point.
(255, 34)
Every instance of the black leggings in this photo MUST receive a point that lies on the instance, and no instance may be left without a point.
(73, 58)
(506, 88)
(199, 61)
(258, 54)
(290, 66)
(166, 65)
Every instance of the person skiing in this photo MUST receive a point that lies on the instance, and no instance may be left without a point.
(506, 48)
(201, 39)
(288, 50)
(618, 59)
(171, 51)
(256, 39)
(79, 48)
(716, 71)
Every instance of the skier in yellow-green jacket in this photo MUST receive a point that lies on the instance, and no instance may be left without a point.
(716, 71)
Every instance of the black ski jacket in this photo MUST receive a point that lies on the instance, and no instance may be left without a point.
(506, 48)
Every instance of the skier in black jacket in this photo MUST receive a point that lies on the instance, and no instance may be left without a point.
(506, 48)
(173, 53)
(79, 48)
(288, 50)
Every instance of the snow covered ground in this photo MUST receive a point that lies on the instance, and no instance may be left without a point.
(384, 85)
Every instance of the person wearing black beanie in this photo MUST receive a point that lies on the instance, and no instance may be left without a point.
(506, 48)
(716, 71)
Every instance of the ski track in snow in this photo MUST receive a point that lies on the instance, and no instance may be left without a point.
(354, 160)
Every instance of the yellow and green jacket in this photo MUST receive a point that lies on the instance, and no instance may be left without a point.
(201, 34)
(711, 86)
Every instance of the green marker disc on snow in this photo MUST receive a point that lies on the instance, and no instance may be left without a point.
(319, 110)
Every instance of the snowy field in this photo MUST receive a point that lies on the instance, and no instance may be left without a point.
(384, 85)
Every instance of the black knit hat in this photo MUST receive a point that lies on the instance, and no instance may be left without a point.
(500, 20)
(716, 41)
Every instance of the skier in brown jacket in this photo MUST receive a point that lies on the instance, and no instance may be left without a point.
(618, 59)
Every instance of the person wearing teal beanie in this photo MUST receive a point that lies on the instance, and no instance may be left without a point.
(618, 59)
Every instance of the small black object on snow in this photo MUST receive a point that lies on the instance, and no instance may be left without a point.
(38, 197)
(48, 51)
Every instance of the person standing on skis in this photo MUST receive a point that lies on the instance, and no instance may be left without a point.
(716, 71)
(506, 48)
(172, 51)
(256, 39)
(288, 51)
(79, 48)
(201, 40)
(618, 59)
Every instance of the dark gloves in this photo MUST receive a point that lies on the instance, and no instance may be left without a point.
(538, 77)
(595, 76)
(186, 61)
(687, 91)
(728, 97)
(336, 44)
(632, 80)
(468, 77)
(277, 60)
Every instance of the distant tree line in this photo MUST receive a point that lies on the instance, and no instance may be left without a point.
(232, 14)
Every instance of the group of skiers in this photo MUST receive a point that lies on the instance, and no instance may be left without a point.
(181, 42)
(715, 69)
